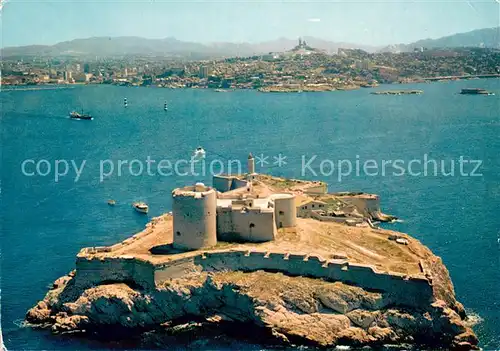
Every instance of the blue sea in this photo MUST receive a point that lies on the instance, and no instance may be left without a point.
(45, 222)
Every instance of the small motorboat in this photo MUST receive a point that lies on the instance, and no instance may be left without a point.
(165, 107)
(199, 153)
(140, 207)
(111, 202)
(76, 115)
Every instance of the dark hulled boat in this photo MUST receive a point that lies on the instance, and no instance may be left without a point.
(475, 91)
(76, 115)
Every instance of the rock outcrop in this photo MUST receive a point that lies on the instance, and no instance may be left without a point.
(293, 310)
(319, 283)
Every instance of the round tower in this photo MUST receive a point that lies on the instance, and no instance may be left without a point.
(194, 210)
(251, 164)
(285, 211)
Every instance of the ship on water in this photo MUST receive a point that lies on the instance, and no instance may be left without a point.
(475, 91)
(76, 115)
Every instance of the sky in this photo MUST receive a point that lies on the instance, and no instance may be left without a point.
(368, 22)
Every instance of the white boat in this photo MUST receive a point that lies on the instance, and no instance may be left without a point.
(140, 207)
(198, 154)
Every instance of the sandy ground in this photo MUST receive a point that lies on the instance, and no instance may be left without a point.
(360, 245)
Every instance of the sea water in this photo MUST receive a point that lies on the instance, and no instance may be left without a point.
(45, 222)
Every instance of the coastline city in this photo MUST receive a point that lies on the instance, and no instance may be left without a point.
(302, 68)
(239, 200)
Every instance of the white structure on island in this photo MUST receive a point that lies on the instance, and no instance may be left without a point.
(285, 210)
(194, 215)
(200, 218)
(202, 215)
(251, 164)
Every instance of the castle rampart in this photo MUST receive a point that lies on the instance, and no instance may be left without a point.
(406, 290)
(250, 224)
(285, 210)
(346, 220)
(91, 271)
(222, 183)
(316, 189)
(225, 183)
(366, 204)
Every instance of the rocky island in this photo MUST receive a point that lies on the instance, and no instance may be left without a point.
(255, 254)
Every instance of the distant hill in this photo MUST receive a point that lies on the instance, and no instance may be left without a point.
(488, 37)
(108, 46)
(121, 46)
(171, 47)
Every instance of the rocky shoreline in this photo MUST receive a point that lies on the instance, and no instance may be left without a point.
(286, 310)
(306, 88)
(320, 283)
(398, 92)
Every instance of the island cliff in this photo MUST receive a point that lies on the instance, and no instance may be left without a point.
(329, 277)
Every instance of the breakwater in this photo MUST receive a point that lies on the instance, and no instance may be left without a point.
(398, 92)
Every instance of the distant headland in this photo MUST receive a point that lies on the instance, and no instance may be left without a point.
(283, 256)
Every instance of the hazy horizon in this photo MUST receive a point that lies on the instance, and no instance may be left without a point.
(369, 23)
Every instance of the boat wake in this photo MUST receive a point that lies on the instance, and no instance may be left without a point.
(78, 119)
(20, 323)
(473, 319)
(198, 154)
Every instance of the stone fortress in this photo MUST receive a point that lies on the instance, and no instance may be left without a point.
(251, 222)
(255, 232)
(233, 210)
(202, 214)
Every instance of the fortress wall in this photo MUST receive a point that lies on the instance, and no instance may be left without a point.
(194, 219)
(303, 265)
(365, 206)
(319, 189)
(94, 271)
(349, 208)
(238, 183)
(285, 211)
(107, 249)
(328, 218)
(303, 213)
(253, 225)
(222, 183)
(225, 227)
(305, 210)
(176, 269)
(343, 220)
(410, 291)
